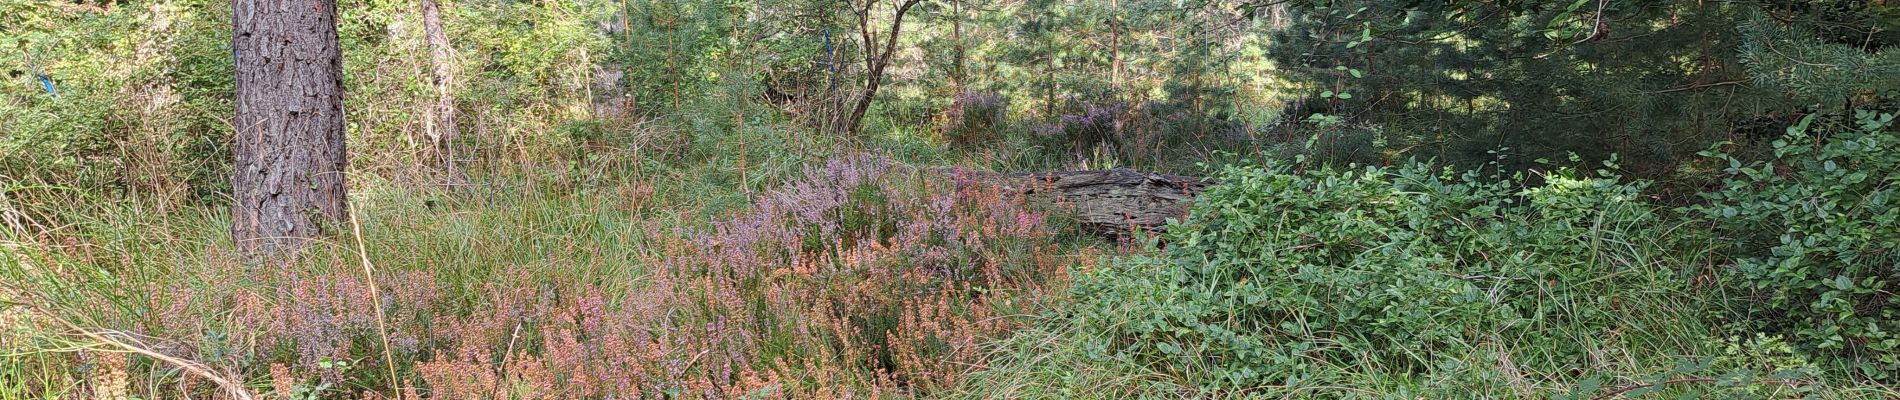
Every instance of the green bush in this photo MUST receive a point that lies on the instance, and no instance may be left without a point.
(1284, 279)
(1818, 238)
(142, 106)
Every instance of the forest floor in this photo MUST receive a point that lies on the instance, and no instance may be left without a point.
(853, 275)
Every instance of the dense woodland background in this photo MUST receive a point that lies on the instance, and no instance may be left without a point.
(793, 199)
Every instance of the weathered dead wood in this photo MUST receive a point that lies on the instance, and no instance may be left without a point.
(1112, 202)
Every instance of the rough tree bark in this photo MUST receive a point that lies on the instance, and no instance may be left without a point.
(442, 129)
(875, 60)
(1112, 202)
(288, 177)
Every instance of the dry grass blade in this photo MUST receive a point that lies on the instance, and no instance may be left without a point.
(375, 299)
(235, 389)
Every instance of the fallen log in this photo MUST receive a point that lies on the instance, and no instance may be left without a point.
(1113, 202)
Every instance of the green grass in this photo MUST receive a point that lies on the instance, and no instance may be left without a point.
(543, 236)
(120, 264)
(532, 237)
(116, 267)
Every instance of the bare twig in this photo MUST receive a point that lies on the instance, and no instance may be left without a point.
(1698, 86)
(1596, 28)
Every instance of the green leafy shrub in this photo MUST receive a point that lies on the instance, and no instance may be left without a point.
(1818, 232)
(1296, 280)
(142, 107)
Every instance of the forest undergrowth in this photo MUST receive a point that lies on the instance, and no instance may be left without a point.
(714, 199)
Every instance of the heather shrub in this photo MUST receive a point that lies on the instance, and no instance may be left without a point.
(1170, 135)
(974, 119)
(1817, 236)
(1152, 135)
(1091, 126)
(859, 279)
(880, 279)
(856, 278)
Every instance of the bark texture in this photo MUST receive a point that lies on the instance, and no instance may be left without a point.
(442, 128)
(1112, 202)
(288, 177)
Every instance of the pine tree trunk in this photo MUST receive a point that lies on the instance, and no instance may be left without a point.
(443, 130)
(288, 179)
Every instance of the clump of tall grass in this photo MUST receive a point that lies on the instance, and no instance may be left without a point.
(859, 277)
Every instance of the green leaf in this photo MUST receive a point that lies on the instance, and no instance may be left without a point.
(1326, 94)
(1587, 387)
(1854, 178)
(1345, 95)
(1355, 73)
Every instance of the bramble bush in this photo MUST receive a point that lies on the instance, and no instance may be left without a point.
(1286, 281)
(1818, 237)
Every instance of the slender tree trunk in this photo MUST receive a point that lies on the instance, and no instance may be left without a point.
(1115, 47)
(734, 71)
(443, 130)
(288, 179)
(1049, 85)
(1115, 61)
(672, 62)
(957, 74)
(874, 61)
